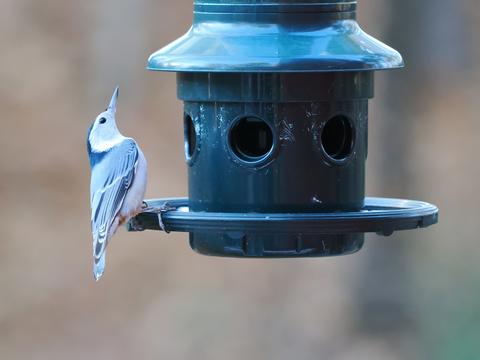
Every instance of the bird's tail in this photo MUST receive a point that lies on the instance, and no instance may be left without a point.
(98, 266)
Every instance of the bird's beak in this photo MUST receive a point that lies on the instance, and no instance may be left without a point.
(112, 107)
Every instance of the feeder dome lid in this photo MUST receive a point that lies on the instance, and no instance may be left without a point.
(275, 36)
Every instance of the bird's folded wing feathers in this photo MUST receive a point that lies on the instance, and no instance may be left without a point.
(110, 182)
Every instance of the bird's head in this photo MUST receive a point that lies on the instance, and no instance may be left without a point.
(103, 134)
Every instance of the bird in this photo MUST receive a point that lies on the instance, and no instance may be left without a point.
(118, 180)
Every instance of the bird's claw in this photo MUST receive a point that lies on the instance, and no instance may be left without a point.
(135, 225)
(159, 210)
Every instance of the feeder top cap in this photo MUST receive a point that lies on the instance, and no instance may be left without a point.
(266, 2)
(275, 36)
(274, 5)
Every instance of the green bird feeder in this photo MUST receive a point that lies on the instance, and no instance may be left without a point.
(275, 119)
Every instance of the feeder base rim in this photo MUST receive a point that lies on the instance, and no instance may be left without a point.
(379, 215)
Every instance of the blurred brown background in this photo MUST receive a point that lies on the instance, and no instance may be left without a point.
(414, 295)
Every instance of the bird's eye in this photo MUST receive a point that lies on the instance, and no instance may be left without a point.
(102, 121)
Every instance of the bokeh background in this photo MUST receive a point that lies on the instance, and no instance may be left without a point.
(414, 295)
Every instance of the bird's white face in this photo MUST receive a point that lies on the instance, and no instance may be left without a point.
(104, 134)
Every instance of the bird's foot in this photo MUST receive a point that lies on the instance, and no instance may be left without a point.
(159, 210)
(134, 225)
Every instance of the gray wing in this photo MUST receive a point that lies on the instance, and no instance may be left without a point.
(111, 178)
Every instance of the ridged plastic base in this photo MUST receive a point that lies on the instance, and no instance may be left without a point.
(239, 244)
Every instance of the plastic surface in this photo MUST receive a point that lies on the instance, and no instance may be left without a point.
(275, 36)
(275, 120)
(287, 234)
(295, 173)
(264, 143)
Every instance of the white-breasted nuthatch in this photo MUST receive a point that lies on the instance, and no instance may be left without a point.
(118, 180)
